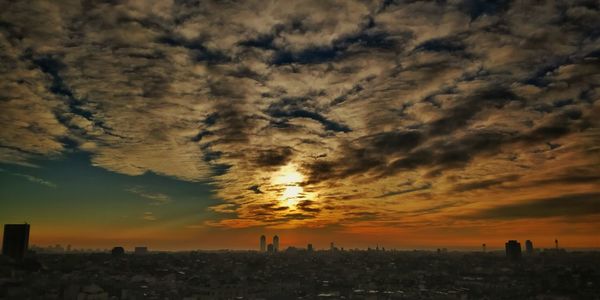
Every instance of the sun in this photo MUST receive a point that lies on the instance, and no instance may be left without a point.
(287, 175)
(289, 179)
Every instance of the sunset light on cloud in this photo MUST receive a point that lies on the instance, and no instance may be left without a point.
(203, 124)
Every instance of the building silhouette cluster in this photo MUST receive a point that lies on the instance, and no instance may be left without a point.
(294, 273)
(270, 248)
(514, 252)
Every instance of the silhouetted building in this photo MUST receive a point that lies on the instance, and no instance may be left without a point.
(117, 251)
(529, 247)
(275, 243)
(16, 240)
(141, 250)
(556, 244)
(331, 246)
(263, 243)
(483, 247)
(270, 248)
(513, 249)
(309, 247)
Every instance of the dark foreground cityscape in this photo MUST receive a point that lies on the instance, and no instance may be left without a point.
(293, 273)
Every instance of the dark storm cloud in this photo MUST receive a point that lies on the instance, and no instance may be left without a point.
(460, 114)
(308, 206)
(256, 189)
(290, 108)
(484, 184)
(405, 191)
(571, 205)
(274, 157)
(478, 8)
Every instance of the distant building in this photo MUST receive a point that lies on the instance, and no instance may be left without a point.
(141, 250)
(263, 243)
(16, 240)
(331, 246)
(529, 247)
(513, 249)
(483, 247)
(556, 244)
(117, 251)
(309, 247)
(275, 243)
(270, 248)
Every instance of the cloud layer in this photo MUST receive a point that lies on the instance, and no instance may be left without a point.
(377, 111)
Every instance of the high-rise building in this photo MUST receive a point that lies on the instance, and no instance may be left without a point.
(263, 243)
(556, 244)
(331, 246)
(529, 247)
(309, 247)
(270, 248)
(16, 240)
(483, 247)
(513, 249)
(275, 243)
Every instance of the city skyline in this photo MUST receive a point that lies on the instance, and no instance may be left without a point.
(263, 246)
(183, 125)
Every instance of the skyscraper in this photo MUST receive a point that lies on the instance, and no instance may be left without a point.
(16, 240)
(309, 247)
(529, 247)
(270, 248)
(263, 243)
(275, 243)
(513, 249)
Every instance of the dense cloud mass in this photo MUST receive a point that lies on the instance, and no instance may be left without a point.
(317, 113)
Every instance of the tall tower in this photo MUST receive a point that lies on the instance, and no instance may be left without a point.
(16, 240)
(556, 243)
(263, 243)
(529, 247)
(275, 243)
(513, 249)
(483, 247)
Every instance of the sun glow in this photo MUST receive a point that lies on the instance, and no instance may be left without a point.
(288, 175)
(289, 179)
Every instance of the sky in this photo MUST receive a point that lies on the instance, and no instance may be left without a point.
(204, 124)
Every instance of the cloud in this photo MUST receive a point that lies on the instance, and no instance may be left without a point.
(358, 96)
(570, 205)
(33, 179)
(405, 191)
(149, 216)
(484, 184)
(155, 198)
